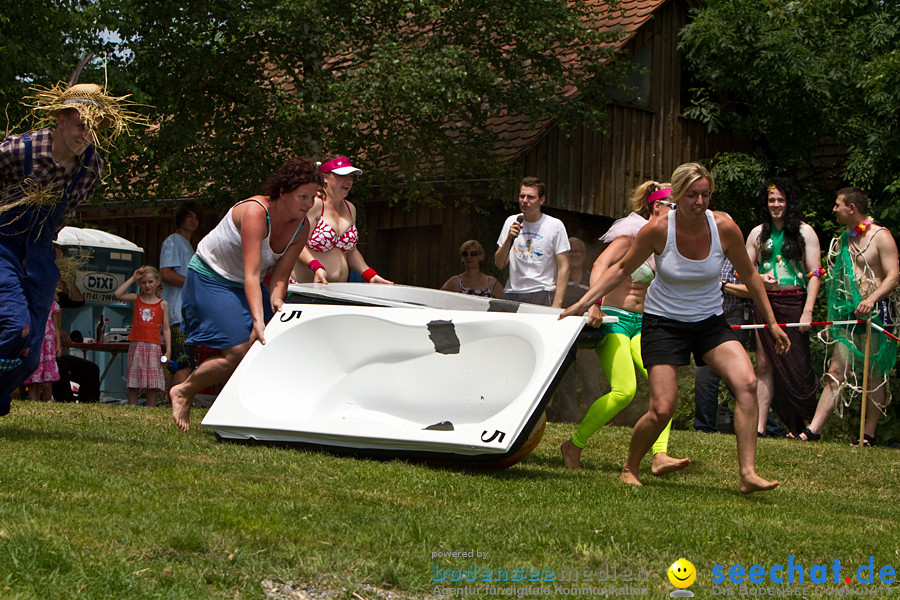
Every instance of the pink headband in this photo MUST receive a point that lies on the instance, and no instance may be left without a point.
(659, 195)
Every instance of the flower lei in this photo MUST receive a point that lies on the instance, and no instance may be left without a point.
(861, 228)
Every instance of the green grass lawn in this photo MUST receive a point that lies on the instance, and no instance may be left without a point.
(101, 502)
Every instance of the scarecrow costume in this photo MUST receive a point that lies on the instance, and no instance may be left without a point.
(37, 196)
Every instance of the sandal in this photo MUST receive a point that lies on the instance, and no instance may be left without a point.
(810, 436)
(868, 441)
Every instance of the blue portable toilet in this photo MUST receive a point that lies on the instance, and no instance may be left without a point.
(109, 261)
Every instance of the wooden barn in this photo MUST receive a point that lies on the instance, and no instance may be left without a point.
(588, 174)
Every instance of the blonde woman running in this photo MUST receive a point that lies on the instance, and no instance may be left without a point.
(683, 315)
(620, 349)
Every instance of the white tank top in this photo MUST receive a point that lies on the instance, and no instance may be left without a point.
(221, 248)
(684, 289)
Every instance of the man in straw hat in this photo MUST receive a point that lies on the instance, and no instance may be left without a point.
(44, 175)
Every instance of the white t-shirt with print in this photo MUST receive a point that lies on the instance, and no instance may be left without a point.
(532, 257)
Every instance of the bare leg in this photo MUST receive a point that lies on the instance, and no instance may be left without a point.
(663, 463)
(663, 399)
(133, 396)
(766, 385)
(825, 407)
(214, 370)
(730, 360)
(745, 431)
(178, 377)
(47, 392)
(571, 455)
(873, 413)
(152, 395)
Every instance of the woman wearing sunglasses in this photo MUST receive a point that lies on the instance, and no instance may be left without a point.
(472, 280)
(620, 349)
(683, 315)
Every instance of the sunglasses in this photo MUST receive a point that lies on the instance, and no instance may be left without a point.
(668, 204)
(469, 253)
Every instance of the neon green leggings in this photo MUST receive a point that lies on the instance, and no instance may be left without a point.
(619, 356)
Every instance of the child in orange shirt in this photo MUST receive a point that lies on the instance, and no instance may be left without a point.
(149, 319)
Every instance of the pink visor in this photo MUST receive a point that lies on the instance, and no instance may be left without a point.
(659, 195)
(339, 166)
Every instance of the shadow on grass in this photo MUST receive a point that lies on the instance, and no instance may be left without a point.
(517, 472)
(15, 433)
(481, 466)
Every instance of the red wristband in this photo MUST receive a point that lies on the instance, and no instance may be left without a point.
(368, 274)
(315, 265)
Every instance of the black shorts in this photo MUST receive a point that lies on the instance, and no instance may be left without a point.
(669, 342)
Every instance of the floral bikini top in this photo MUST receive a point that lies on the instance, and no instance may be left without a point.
(323, 238)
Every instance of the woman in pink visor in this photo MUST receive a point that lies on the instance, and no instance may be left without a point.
(331, 251)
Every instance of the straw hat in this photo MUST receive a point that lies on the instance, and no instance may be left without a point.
(105, 116)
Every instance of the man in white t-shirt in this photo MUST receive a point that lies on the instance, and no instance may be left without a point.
(174, 256)
(535, 248)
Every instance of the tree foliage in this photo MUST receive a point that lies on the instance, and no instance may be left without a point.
(41, 41)
(796, 74)
(407, 87)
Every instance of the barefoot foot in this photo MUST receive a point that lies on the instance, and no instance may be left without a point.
(571, 455)
(755, 483)
(663, 463)
(181, 408)
(630, 477)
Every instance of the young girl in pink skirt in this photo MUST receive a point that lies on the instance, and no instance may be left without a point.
(40, 384)
(149, 323)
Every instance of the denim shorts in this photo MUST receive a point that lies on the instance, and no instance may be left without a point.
(669, 342)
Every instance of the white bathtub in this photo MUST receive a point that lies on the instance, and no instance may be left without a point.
(432, 383)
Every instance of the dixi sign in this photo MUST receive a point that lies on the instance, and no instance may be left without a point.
(99, 282)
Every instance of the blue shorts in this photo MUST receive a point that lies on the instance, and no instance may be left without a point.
(669, 342)
(215, 314)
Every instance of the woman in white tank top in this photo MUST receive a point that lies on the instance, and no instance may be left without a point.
(619, 351)
(224, 300)
(682, 315)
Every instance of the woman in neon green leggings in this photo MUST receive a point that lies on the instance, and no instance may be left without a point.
(620, 350)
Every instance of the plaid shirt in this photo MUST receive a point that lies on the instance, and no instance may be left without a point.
(45, 171)
(730, 301)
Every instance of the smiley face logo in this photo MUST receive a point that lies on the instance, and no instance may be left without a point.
(682, 573)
